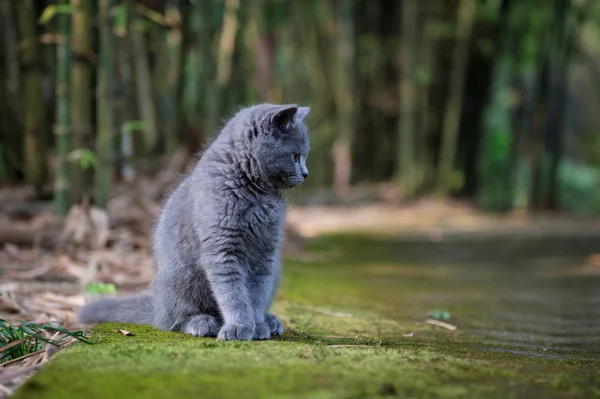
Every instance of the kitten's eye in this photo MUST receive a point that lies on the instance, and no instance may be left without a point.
(296, 157)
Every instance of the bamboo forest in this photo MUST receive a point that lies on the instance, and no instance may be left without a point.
(489, 100)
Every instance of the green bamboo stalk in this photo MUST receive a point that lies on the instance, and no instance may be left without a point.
(81, 42)
(130, 143)
(10, 123)
(425, 113)
(495, 175)
(34, 112)
(143, 85)
(454, 105)
(342, 147)
(105, 123)
(522, 160)
(539, 124)
(62, 127)
(561, 63)
(262, 43)
(224, 56)
(308, 33)
(195, 38)
(170, 66)
(407, 113)
(227, 41)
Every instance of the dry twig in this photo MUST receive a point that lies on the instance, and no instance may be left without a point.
(442, 324)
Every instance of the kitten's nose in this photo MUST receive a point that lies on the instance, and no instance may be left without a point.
(304, 171)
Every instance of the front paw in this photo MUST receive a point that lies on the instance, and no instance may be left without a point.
(236, 332)
(262, 331)
(274, 324)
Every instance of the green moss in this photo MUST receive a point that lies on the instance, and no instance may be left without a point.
(345, 314)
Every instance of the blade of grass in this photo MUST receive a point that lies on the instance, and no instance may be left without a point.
(22, 357)
(35, 330)
(19, 342)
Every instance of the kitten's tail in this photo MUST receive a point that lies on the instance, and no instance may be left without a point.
(134, 309)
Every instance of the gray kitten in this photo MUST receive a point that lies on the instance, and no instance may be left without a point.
(217, 241)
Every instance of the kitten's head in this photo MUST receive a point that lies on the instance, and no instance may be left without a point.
(281, 144)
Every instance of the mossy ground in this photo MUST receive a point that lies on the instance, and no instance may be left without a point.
(346, 312)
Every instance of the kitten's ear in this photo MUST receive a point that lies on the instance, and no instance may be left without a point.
(282, 117)
(302, 113)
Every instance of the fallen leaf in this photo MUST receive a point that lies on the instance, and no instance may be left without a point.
(6, 390)
(68, 300)
(593, 260)
(124, 332)
(13, 373)
(31, 274)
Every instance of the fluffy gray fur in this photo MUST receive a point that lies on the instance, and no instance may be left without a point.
(217, 240)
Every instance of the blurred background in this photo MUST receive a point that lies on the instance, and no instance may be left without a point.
(490, 101)
(430, 120)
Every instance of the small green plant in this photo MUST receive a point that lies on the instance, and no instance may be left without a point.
(101, 288)
(439, 314)
(28, 338)
(85, 158)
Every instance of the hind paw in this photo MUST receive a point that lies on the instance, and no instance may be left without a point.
(202, 326)
(274, 324)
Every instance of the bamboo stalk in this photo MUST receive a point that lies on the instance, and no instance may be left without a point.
(539, 123)
(195, 39)
(225, 52)
(263, 48)
(227, 41)
(81, 96)
(10, 124)
(407, 114)
(495, 187)
(171, 62)
(425, 112)
(62, 128)
(559, 74)
(125, 105)
(454, 105)
(34, 111)
(342, 147)
(105, 109)
(318, 83)
(143, 85)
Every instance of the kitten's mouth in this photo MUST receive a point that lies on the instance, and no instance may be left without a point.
(291, 183)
